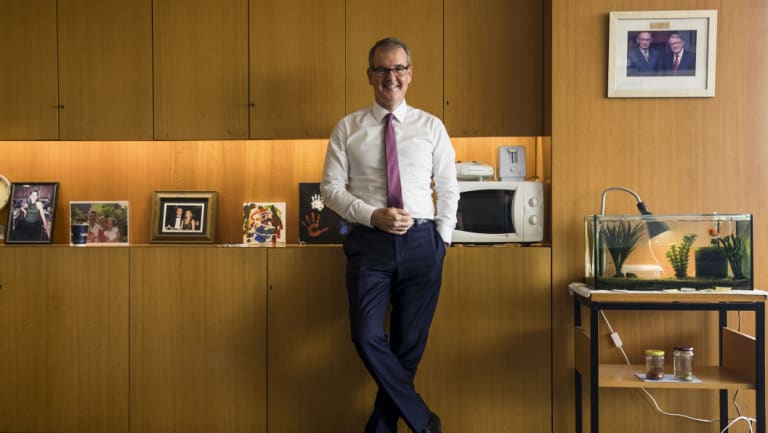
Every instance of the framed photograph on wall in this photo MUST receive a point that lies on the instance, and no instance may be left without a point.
(98, 223)
(656, 54)
(184, 216)
(31, 213)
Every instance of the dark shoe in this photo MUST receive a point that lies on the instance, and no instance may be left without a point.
(433, 426)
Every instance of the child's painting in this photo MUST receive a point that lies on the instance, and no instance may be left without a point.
(263, 223)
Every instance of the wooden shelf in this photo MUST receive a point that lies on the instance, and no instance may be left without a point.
(712, 377)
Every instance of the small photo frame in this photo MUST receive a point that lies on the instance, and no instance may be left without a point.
(31, 213)
(656, 54)
(184, 216)
(98, 223)
(264, 223)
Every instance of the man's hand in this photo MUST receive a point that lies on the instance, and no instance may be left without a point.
(392, 220)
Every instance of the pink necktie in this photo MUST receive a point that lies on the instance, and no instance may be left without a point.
(394, 189)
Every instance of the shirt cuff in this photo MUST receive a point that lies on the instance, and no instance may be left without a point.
(445, 232)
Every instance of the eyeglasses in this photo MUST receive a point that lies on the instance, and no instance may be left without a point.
(398, 70)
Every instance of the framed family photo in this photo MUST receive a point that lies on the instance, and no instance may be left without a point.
(31, 213)
(184, 216)
(657, 54)
(98, 223)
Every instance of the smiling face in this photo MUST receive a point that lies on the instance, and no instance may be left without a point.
(676, 43)
(389, 89)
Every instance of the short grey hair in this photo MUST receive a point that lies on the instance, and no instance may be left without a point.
(388, 44)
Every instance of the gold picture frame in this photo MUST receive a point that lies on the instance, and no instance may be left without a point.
(184, 216)
(642, 48)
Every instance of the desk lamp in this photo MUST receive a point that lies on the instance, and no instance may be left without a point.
(655, 228)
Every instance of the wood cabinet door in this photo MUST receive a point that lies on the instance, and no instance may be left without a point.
(494, 67)
(63, 339)
(200, 69)
(198, 339)
(28, 71)
(296, 67)
(105, 75)
(487, 363)
(316, 380)
(420, 25)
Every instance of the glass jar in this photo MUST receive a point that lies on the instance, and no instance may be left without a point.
(683, 363)
(654, 364)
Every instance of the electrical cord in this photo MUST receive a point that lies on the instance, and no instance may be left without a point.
(617, 342)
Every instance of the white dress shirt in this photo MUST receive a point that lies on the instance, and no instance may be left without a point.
(355, 174)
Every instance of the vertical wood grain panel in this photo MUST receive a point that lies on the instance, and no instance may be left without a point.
(28, 71)
(296, 68)
(198, 333)
(420, 25)
(487, 363)
(315, 374)
(494, 67)
(105, 70)
(682, 155)
(201, 69)
(64, 344)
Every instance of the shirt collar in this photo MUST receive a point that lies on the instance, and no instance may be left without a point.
(380, 112)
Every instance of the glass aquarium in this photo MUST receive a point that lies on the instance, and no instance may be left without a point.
(657, 252)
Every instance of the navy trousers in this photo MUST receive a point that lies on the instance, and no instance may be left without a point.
(404, 271)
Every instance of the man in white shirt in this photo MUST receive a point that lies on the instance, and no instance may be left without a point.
(394, 251)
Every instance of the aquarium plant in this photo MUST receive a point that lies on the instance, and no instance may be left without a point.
(678, 255)
(620, 239)
(735, 250)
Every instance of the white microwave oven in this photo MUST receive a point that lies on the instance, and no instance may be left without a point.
(499, 212)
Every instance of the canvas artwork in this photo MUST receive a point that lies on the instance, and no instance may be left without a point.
(99, 223)
(317, 223)
(263, 223)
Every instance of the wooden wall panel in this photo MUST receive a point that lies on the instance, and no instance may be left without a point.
(296, 68)
(419, 25)
(28, 71)
(682, 155)
(198, 333)
(494, 64)
(105, 70)
(315, 374)
(63, 339)
(200, 69)
(241, 171)
(487, 363)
